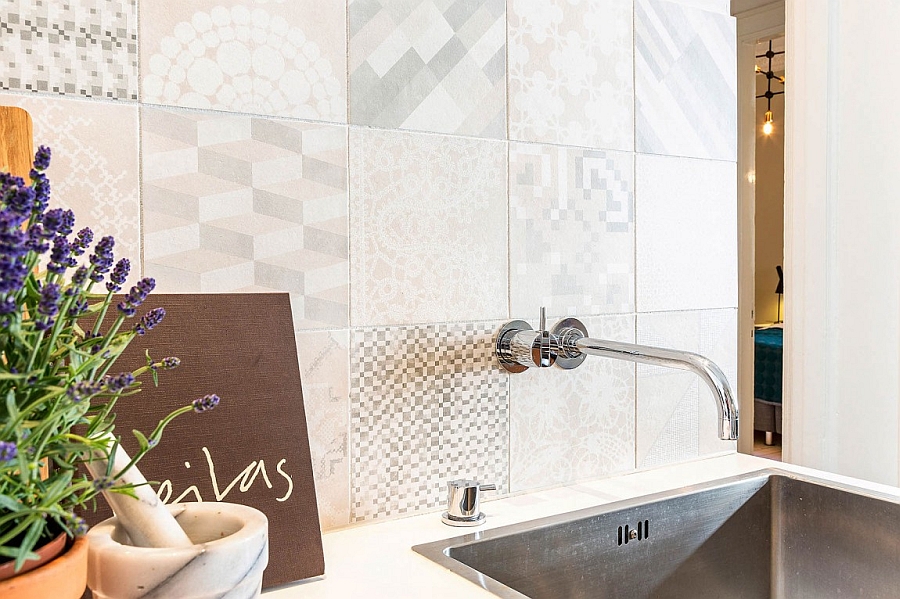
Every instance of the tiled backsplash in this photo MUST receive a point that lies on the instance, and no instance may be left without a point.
(487, 158)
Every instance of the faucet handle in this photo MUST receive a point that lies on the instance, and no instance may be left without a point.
(463, 502)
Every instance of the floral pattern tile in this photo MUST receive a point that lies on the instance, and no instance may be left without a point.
(571, 78)
(428, 404)
(272, 58)
(676, 413)
(571, 230)
(685, 81)
(431, 65)
(242, 203)
(428, 228)
(687, 234)
(570, 425)
(80, 48)
(93, 173)
(324, 369)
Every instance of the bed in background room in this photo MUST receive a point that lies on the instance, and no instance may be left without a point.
(768, 346)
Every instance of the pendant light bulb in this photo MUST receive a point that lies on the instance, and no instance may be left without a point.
(769, 125)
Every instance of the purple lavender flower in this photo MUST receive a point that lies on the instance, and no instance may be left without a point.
(8, 451)
(13, 240)
(61, 256)
(82, 240)
(103, 483)
(12, 274)
(42, 158)
(7, 306)
(136, 296)
(58, 222)
(9, 182)
(41, 186)
(48, 306)
(116, 383)
(167, 363)
(149, 321)
(118, 276)
(79, 278)
(21, 201)
(78, 307)
(77, 525)
(37, 240)
(102, 258)
(205, 403)
(82, 390)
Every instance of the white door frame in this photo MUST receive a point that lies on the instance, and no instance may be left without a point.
(763, 22)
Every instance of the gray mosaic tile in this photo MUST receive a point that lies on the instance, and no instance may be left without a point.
(85, 48)
(427, 405)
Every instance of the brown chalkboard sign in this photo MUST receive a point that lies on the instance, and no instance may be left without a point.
(253, 448)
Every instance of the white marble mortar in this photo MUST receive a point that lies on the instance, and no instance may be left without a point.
(227, 559)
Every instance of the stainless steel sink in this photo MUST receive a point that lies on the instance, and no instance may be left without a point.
(769, 534)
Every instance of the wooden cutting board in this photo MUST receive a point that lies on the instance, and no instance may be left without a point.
(16, 144)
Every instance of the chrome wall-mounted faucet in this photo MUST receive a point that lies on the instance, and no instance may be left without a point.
(518, 348)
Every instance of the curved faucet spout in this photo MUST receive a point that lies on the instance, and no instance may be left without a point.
(711, 374)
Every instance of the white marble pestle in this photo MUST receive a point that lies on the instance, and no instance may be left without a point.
(146, 519)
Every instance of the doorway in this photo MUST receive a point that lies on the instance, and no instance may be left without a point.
(758, 21)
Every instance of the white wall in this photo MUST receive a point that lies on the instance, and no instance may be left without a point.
(842, 221)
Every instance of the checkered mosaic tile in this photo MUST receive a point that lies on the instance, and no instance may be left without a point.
(428, 404)
(85, 48)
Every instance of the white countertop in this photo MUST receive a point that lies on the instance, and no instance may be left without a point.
(376, 560)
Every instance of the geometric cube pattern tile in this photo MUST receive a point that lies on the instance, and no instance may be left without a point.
(274, 58)
(676, 413)
(324, 363)
(429, 228)
(428, 404)
(240, 203)
(685, 81)
(571, 79)
(571, 230)
(432, 65)
(571, 425)
(81, 48)
(93, 173)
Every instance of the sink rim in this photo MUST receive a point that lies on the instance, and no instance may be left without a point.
(438, 551)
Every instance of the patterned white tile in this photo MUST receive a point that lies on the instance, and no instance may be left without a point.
(571, 78)
(570, 425)
(432, 65)
(676, 413)
(429, 404)
(571, 221)
(93, 173)
(272, 58)
(686, 210)
(685, 81)
(241, 203)
(428, 228)
(324, 368)
(81, 48)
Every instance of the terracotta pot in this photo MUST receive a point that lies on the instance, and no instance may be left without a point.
(64, 577)
(228, 557)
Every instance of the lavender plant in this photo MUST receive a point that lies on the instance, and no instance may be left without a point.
(60, 337)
